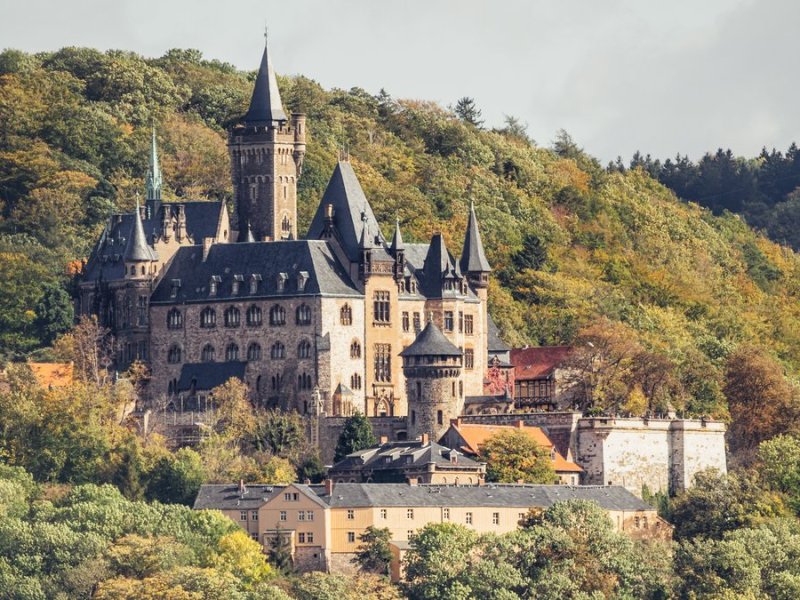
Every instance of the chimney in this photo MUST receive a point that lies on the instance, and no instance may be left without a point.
(520, 424)
(329, 487)
(426, 439)
(207, 243)
(413, 481)
(384, 439)
(242, 489)
(306, 481)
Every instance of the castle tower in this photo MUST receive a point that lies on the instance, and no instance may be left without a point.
(139, 257)
(267, 150)
(473, 261)
(432, 367)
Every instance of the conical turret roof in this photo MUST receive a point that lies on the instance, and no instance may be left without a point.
(473, 259)
(431, 342)
(265, 104)
(397, 238)
(248, 235)
(153, 171)
(137, 248)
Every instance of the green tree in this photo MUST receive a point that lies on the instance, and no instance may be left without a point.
(513, 456)
(467, 111)
(176, 478)
(279, 552)
(54, 313)
(373, 553)
(356, 435)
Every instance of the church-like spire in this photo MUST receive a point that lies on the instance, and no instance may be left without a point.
(248, 236)
(473, 259)
(397, 238)
(265, 105)
(137, 249)
(153, 172)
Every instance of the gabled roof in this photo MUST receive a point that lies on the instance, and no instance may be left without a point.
(350, 211)
(397, 455)
(473, 259)
(431, 342)
(474, 436)
(207, 376)
(537, 363)
(439, 265)
(265, 104)
(137, 249)
(268, 261)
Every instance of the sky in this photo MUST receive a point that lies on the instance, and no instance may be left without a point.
(660, 76)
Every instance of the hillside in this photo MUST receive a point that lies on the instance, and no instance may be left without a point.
(570, 243)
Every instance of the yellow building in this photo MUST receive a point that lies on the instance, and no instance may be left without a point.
(323, 522)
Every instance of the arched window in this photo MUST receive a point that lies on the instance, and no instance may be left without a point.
(208, 318)
(355, 349)
(304, 349)
(231, 352)
(174, 354)
(303, 315)
(254, 316)
(304, 381)
(278, 351)
(355, 381)
(277, 382)
(383, 409)
(208, 353)
(277, 315)
(254, 351)
(346, 315)
(232, 317)
(174, 319)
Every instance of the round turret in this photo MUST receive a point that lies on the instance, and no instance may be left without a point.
(432, 366)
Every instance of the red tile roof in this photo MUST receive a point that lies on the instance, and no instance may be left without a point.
(52, 374)
(536, 363)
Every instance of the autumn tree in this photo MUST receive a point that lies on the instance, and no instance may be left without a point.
(513, 456)
(762, 402)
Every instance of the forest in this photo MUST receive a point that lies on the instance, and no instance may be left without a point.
(672, 306)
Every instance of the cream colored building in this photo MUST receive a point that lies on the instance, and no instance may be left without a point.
(323, 522)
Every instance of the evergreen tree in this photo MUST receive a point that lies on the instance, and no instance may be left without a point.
(467, 111)
(279, 553)
(356, 435)
(374, 555)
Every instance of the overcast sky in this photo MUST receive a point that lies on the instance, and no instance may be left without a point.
(662, 76)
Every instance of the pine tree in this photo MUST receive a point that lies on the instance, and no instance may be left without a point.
(467, 111)
(356, 435)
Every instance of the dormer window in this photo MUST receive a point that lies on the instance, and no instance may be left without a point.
(255, 278)
(302, 278)
(174, 288)
(237, 281)
(281, 282)
(213, 285)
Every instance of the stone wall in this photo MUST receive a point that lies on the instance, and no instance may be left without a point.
(330, 428)
(560, 427)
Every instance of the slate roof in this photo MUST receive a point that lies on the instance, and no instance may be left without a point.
(472, 257)
(105, 262)
(536, 363)
(265, 103)
(397, 238)
(345, 194)
(226, 496)
(496, 345)
(431, 342)
(266, 260)
(207, 376)
(358, 495)
(402, 455)
(439, 265)
(137, 248)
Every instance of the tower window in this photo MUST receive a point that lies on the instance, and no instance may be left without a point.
(208, 353)
(346, 315)
(355, 381)
(383, 363)
(208, 318)
(381, 308)
(253, 191)
(304, 381)
(254, 316)
(469, 358)
(232, 317)
(277, 315)
(406, 324)
(254, 352)
(417, 323)
(448, 320)
(303, 315)
(174, 319)
(460, 322)
(174, 354)
(142, 311)
(304, 349)
(439, 417)
(355, 349)
(468, 324)
(232, 352)
(278, 351)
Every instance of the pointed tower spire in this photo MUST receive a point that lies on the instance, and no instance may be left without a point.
(473, 259)
(397, 238)
(265, 105)
(137, 249)
(153, 172)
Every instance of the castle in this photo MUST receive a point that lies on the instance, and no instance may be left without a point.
(338, 322)
(315, 325)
